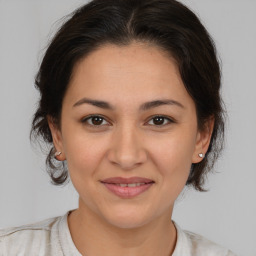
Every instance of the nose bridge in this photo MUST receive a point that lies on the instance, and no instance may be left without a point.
(127, 149)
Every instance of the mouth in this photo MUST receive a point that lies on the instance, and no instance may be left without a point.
(127, 187)
(131, 180)
(130, 185)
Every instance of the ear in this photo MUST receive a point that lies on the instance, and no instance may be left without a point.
(57, 138)
(203, 140)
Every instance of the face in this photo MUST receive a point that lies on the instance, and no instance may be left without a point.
(120, 138)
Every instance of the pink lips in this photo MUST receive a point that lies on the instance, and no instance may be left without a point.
(112, 184)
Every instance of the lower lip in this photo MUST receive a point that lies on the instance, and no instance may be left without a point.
(127, 192)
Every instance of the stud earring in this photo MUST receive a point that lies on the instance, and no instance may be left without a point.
(201, 155)
(56, 154)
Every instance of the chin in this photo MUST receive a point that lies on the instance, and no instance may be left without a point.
(127, 220)
(127, 223)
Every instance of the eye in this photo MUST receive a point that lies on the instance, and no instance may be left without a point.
(161, 121)
(94, 120)
(98, 121)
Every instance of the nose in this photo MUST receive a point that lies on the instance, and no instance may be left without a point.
(127, 149)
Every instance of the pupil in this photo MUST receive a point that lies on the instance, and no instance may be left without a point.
(96, 120)
(158, 120)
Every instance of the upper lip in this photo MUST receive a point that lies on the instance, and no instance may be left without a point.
(121, 180)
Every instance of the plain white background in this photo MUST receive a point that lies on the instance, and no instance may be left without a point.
(226, 214)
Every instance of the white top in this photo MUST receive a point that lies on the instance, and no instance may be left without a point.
(52, 237)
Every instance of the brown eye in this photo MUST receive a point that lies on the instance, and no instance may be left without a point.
(161, 121)
(158, 120)
(95, 121)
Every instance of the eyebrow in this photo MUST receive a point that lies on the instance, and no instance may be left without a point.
(145, 106)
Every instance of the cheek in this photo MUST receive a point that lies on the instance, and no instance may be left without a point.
(83, 157)
(173, 158)
(82, 154)
(177, 148)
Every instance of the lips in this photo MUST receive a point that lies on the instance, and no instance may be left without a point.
(121, 180)
(135, 186)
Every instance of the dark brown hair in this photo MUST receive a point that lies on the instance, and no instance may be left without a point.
(167, 24)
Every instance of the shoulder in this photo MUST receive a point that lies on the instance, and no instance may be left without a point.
(41, 225)
(30, 238)
(189, 243)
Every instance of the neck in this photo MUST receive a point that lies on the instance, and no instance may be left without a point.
(94, 236)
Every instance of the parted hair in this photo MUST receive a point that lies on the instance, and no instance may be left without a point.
(166, 24)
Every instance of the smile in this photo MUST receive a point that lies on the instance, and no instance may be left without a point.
(130, 185)
(128, 190)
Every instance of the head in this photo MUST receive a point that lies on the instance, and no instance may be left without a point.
(126, 53)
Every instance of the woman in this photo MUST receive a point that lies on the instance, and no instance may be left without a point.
(130, 105)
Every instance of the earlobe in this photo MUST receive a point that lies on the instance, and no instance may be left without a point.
(203, 141)
(57, 139)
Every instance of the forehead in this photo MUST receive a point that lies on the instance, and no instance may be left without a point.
(127, 72)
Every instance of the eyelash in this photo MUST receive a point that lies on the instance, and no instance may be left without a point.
(84, 120)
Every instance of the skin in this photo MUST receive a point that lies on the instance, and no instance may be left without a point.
(127, 142)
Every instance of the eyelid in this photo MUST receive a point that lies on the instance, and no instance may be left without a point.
(85, 119)
(170, 120)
